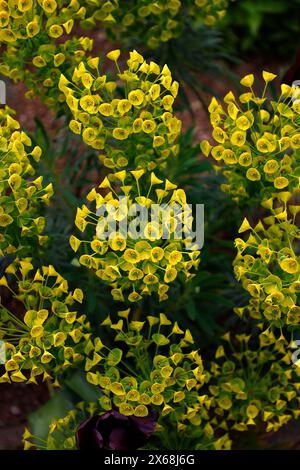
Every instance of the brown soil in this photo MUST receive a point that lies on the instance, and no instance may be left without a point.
(17, 402)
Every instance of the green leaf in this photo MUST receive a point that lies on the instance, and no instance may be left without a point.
(191, 309)
(114, 357)
(296, 172)
(160, 340)
(78, 385)
(56, 407)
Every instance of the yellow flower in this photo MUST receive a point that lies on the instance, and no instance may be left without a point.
(243, 123)
(252, 411)
(124, 106)
(151, 279)
(217, 152)
(219, 135)
(32, 28)
(245, 159)
(39, 61)
(93, 62)
(247, 81)
(268, 77)
(245, 226)
(271, 166)
(59, 59)
(233, 111)
(24, 5)
(106, 109)
(131, 256)
(6, 35)
(168, 102)
(55, 31)
(135, 274)
(87, 103)
(281, 182)
(136, 97)
(158, 141)
(205, 147)
(5, 220)
(75, 243)
(157, 254)
(170, 275)
(295, 141)
(120, 134)
(154, 91)
(238, 138)
(87, 80)
(134, 297)
(49, 6)
(229, 157)
(289, 265)
(148, 126)
(253, 174)
(78, 295)
(263, 145)
(175, 257)
(114, 55)
(117, 243)
(75, 126)
(89, 134)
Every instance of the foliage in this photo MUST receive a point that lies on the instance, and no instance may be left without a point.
(136, 368)
(252, 25)
(156, 22)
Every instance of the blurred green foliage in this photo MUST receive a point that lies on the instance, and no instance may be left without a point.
(263, 26)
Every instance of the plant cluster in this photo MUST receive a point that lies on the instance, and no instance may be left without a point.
(256, 140)
(155, 22)
(138, 377)
(48, 336)
(143, 259)
(135, 118)
(254, 384)
(268, 265)
(21, 192)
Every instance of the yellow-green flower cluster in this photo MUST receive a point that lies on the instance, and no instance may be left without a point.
(31, 54)
(45, 336)
(253, 386)
(257, 141)
(129, 118)
(62, 431)
(39, 64)
(139, 263)
(154, 368)
(20, 192)
(268, 265)
(25, 19)
(152, 22)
